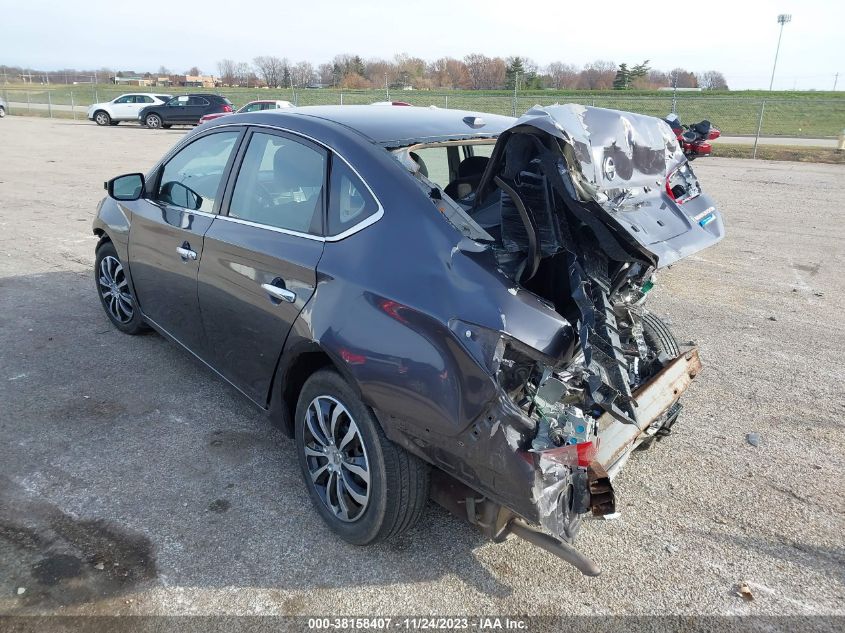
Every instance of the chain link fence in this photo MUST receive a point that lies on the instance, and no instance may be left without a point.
(752, 117)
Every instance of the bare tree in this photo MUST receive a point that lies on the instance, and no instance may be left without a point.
(658, 79)
(381, 71)
(226, 71)
(193, 71)
(243, 74)
(485, 73)
(562, 75)
(712, 80)
(271, 69)
(684, 78)
(302, 74)
(447, 72)
(597, 75)
(326, 75)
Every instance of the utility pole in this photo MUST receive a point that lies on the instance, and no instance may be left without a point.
(675, 92)
(835, 81)
(783, 18)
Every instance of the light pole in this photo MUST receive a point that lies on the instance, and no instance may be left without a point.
(783, 18)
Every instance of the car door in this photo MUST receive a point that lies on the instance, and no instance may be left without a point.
(197, 106)
(259, 260)
(167, 228)
(122, 108)
(139, 102)
(174, 111)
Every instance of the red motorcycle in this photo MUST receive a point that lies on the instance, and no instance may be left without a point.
(694, 139)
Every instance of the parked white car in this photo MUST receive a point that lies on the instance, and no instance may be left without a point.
(123, 108)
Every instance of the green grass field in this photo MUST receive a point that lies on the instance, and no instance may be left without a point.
(807, 114)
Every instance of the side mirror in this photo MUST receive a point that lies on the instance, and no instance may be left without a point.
(125, 188)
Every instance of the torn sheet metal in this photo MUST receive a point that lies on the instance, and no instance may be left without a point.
(615, 150)
(622, 162)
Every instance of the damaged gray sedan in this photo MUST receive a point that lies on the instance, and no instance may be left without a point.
(432, 302)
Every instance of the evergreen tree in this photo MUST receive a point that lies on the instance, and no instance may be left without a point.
(514, 75)
(639, 75)
(622, 81)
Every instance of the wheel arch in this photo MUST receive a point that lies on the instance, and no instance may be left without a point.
(295, 366)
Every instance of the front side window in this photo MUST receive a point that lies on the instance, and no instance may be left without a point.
(349, 200)
(251, 107)
(129, 99)
(280, 184)
(192, 177)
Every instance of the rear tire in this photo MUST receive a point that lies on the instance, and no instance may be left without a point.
(663, 343)
(659, 337)
(395, 484)
(101, 117)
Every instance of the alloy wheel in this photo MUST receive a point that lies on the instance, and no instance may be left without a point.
(114, 289)
(337, 458)
(102, 118)
(153, 121)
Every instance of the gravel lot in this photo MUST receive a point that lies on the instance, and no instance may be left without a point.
(132, 480)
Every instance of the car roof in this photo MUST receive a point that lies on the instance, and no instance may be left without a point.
(400, 127)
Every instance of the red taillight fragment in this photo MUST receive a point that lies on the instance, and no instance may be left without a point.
(581, 454)
(351, 358)
(227, 108)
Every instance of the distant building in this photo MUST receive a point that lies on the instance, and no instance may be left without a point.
(681, 89)
(132, 81)
(198, 81)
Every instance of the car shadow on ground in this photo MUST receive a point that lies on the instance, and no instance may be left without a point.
(127, 464)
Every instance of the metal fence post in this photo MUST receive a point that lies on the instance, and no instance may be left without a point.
(28, 106)
(446, 101)
(759, 127)
(50, 103)
(72, 108)
(513, 106)
(341, 98)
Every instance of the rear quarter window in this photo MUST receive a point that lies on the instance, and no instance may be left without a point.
(350, 202)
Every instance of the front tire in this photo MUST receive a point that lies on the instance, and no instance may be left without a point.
(102, 118)
(115, 293)
(153, 121)
(365, 487)
(2, 112)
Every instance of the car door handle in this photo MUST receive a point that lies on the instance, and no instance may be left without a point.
(186, 253)
(283, 294)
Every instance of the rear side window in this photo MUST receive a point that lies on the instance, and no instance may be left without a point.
(349, 200)
(280, 184)
(197, 101)
(192, 177)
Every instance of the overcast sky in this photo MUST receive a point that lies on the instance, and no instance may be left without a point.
(737, 37)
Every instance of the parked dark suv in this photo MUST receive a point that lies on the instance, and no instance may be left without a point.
(183, 110)
(430, 301)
